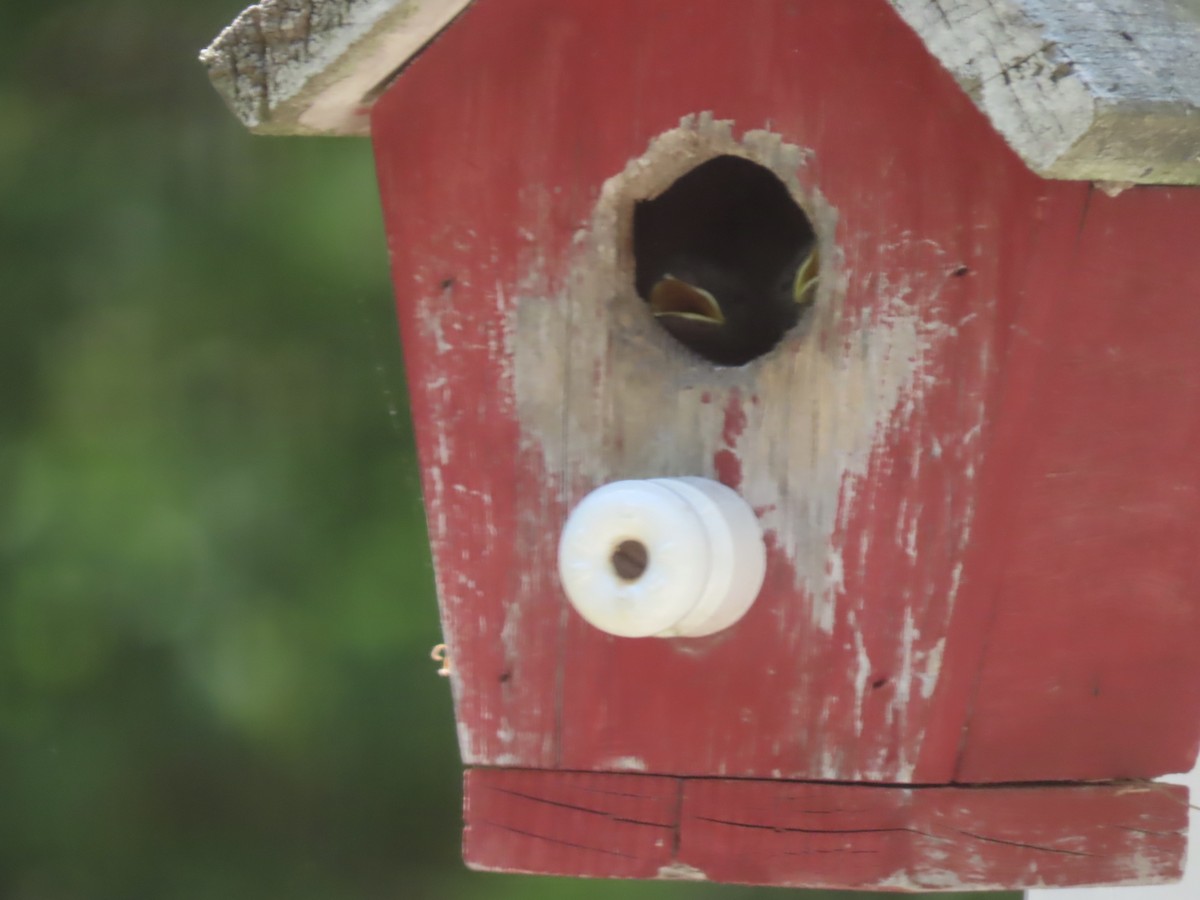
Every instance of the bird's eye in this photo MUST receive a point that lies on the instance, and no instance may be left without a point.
(726, 259)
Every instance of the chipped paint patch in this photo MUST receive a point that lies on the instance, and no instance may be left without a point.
(625, 764)
(837, 385)
(808, 434)
(862, 673)
(678, 871)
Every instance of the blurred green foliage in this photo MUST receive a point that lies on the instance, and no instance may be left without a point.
(216, 603)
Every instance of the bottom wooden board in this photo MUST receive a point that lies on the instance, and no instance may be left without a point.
(824, 835)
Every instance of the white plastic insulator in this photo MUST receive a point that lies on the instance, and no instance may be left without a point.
(704, 558)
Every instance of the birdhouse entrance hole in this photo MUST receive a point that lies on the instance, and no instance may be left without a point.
(630, 560)
(726, 259)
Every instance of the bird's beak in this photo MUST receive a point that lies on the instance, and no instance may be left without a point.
(805, 284)
(678, 299)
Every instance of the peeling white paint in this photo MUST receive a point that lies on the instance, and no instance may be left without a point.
(505, 732)
(829, 397)
(678, 871)
(911, 532)
(930, 669)
(510, 632)
(597, 384)
(466, 745)
(862, 673)
(1143, 869)
(436, 504)
(897, 709)
(625, 764)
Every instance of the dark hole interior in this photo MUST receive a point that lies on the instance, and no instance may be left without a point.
(717, 257)
(630, 559)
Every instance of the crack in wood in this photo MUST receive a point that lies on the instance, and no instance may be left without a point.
(677, 833)
(790, 829)
(554, 840)
(1007, 843)
(575, 807)
(1016, 64)
(612, 793)
(1097, 848)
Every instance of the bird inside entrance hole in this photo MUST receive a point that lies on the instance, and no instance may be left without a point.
(726, 259)
(725, 314)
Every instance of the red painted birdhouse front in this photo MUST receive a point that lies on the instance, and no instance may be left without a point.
(883, 273)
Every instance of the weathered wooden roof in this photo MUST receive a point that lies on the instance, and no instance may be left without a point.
(1105, 90)
(314, 66)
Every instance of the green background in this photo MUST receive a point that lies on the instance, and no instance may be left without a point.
(216, 603)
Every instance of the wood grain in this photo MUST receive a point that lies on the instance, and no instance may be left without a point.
(1106, 91)
(973, 462)
(571, 823)
(807, 835)
(535, 378)
(1087, 672)
(315, 66)
(1103, 92)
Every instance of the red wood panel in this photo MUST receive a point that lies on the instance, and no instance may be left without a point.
(932, 838)
(1093, 667)
(569, 823)
(1034, 473)
(812, 835)
(1031, 285)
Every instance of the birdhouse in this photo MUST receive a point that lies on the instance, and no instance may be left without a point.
(807, 397)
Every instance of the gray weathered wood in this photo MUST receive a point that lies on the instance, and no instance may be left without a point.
(313, 66)
(1107, 90)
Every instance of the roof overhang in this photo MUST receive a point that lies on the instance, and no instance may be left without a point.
(1107, 90)
(316, 67)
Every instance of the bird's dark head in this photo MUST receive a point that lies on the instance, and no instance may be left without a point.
(725, 259)
(727, 315)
